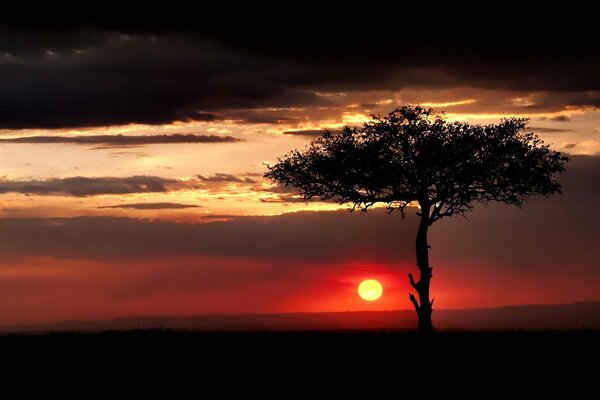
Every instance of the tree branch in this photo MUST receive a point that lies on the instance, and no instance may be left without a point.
(412, 281)
(414, 301)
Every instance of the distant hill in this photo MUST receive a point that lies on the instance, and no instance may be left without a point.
(564, 316)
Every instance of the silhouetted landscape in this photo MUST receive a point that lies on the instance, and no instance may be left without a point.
(410, 178)
(536, 317)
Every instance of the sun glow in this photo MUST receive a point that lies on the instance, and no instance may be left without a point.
(370, 290)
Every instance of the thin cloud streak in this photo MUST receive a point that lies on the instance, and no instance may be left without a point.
(80, 186)
(153, 206)
(123, 140)
(312, 133)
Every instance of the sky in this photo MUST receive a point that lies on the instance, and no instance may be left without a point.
(133, 141)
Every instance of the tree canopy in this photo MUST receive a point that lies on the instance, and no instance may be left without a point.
(416, 155)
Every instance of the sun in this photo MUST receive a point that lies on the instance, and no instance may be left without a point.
(370, 290)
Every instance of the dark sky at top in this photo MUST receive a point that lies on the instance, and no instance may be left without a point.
(107, 64)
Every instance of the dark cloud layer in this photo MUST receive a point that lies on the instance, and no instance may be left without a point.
(153, 206)
(122, 140)
(334, 32)
(142, 79)
(83, 186)
(301, 236)
(156, 65)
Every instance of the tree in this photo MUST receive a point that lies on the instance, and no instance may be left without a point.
(415, 157)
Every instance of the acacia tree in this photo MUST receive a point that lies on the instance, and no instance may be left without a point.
(415, 157)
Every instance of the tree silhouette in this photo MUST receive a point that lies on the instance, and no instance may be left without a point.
(414, 156)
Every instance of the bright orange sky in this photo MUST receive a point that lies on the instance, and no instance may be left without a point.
(118, 225)
(223, 178)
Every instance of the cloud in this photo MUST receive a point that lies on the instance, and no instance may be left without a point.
(291, 198)
(576, 99)
(279, 193)
(548, 130)
(135, 66)
(311, 133)
(560, 118)
(80, 186)
(153, 206)
(230, 183)
(225, 178)
(587, 147)
(151, 80)
(122, 140)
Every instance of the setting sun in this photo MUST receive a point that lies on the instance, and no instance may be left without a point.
(370, 290)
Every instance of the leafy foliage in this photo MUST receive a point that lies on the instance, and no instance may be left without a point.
(416, 155)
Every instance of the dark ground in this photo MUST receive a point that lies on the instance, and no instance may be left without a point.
(304, 364)
(568, 344)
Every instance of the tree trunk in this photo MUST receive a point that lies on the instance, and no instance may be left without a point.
(424, 305)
